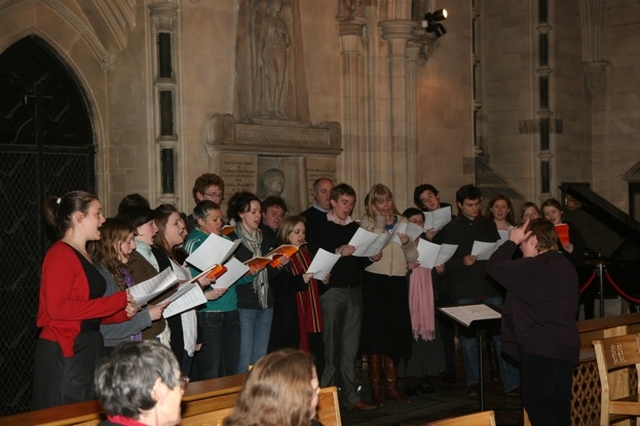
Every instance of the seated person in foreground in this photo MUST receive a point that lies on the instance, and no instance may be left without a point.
(281, 390)
(140, 383)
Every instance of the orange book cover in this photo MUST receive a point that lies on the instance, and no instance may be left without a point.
(216, 271)
(563, 233)
(256, 264)
(227, 229)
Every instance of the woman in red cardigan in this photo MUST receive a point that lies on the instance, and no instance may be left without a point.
(71, 306)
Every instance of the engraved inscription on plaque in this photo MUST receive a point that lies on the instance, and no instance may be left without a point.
(239, 173)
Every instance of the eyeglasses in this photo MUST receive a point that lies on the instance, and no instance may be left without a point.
(218, 195)
(183, 382)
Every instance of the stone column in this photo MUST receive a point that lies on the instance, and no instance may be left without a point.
(394, 170)
(354, 164)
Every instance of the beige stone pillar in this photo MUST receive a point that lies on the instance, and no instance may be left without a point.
(354, 164)
(394, 168)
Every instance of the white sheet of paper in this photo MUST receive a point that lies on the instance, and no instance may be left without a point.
(188, 296)
(147, 290)
(322, 264)
(431, 255)
(412, 230)
(466, 314)
(482, 250)
(369, 243)
(446, 252)
(215, 250)
(235, 270)
(437, 219)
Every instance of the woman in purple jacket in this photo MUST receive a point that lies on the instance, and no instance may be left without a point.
(538, 319)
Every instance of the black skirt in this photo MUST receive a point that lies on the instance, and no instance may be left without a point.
(386, 321)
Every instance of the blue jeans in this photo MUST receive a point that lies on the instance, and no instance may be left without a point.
(255, 327)
(221, 344)
(469, 343)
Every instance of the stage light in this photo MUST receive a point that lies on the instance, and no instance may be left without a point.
(432, 22)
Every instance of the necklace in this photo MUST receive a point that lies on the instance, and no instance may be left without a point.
(81, 250)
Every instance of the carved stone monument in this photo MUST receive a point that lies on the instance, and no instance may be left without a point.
(270, 127)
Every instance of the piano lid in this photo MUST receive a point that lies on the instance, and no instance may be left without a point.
(606, 229)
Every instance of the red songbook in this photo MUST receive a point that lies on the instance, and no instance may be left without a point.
(216, 271)
(563, 233)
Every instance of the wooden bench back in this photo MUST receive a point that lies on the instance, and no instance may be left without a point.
(199, 397)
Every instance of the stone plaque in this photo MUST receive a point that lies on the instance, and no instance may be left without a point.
(239, 173)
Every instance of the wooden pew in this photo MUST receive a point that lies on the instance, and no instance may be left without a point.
(328, 412)
(199, 397)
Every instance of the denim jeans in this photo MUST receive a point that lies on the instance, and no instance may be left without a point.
(221, 344)
(255, 327)
(469, 343)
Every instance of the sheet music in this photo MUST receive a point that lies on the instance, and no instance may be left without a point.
(466, 314)
(322, 264)
(235, 270)
(147, 290)
(504, 236)
(214, 250)
(437, 219)
(431, 255)
(412, 230)
(188, 296)
(368, 243)
(483, 250)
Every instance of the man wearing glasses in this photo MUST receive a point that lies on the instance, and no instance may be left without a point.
(208, 186)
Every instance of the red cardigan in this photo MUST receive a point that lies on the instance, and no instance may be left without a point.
(64, 299)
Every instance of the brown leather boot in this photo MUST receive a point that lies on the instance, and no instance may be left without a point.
(375, 378)
(391, 373)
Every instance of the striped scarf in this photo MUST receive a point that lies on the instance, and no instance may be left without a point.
(308, 302)
(261, 281)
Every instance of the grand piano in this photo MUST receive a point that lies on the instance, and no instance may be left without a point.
(612, 239)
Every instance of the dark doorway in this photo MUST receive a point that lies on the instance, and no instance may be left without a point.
(46, 148)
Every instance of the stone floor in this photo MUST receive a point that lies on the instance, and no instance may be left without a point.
(448, 401)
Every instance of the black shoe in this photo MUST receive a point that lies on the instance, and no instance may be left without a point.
(450, 380)
(473, 390)
(424, 389)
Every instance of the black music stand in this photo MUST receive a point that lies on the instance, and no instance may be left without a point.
(477, 317)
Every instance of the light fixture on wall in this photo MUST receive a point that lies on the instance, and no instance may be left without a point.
(432, 22)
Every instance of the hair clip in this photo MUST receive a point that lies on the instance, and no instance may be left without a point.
(58, 201)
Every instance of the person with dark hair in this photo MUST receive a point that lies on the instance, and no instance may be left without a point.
(575, 247)
(426, 198)
(110, 255)
(427, 355)
(341, 299)
(274, 209)
(528, 211)
(297, 317)
(280, 390)
(218, 319)
(317, 213)
(133, 200)
(255, 301)
(184, 326)
(500, 210)
(386, 321)
(468, 282)
(146, 261)
(71, 304)
(538, 319)
(139, 383)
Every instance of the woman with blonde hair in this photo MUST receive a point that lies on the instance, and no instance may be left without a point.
(280, 390)
(386, 322)
(297, 317)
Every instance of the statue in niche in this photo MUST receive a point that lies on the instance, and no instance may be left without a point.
(272, 47)
(273, 184)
